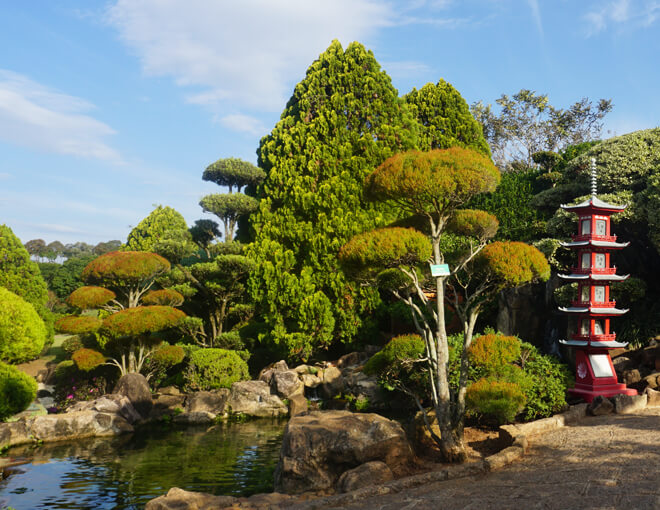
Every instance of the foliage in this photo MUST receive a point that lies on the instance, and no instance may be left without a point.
(511, 264)
(67, 276)
(73, 385)
(385, 248)
(17, 391)
(106, 247)
(87, 359)
(444, 118)
(142, 320)
(77, 324)
(496, 401)
(72, 344)
(88, 297)
(436, 181)
(169, 355)
(489, 353)
(233, 172)
(153, 228)
(121, 268)
(546, 394)
(22, 332)
(166, 297)
(397, 365)
(527, 124)
(215, 368)
(21, 276)
(473, 223)
(343, 119)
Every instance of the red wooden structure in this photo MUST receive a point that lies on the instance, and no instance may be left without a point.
(594, 372)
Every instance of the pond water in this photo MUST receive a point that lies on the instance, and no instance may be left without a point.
(127, 471)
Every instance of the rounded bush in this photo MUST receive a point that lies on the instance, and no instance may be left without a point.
(142, 320)
(495, 401)
(395, 366)
(87, 359)
(215, 368)
(489, 353)
(22, 332)
(17, 391)
(72, 344)
(89, 296)
(169, 355)
(77, 324)
(166, 297)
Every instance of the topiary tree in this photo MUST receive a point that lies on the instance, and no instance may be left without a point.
(21, 275)
(344, 117)
(153, 228)
(126, 278)
(211, 369)
(17, 391)
(432, 186)
(445, 119)
(22, 332)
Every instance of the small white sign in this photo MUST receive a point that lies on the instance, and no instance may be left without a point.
(439, 269)
(600, 363)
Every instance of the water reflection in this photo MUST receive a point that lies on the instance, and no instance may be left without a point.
(127, 471)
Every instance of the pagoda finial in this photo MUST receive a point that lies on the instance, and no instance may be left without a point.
(593, 177)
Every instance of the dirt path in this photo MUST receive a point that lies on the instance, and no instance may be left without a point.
(54, 353)
(606, 462)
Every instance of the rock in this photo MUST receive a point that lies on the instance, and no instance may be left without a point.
(310, 381)
(286, 384)
(352, 359)
(214, 402)
(169, 390)
(253, 398)
(423, 443)
(627, 404)
(297, 405)
(365, 475)
(622, 363)
(333, 382)
(631, 377)
(318, 447)
(194, 418)
(267, 373)
(111, 403)
(178, 499)
(649, 355)
(167, 405)
(136, 388)
(14, 433)
(652, 381)
(653, 397)
(34, 409)
(302, 369)
(600, 405)
(58, 427)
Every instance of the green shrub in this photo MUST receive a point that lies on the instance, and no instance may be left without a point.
(17, 391)
(87, 359)
(22, 332)
(548, 380)
(489, 353)
(168, 355)
(72, 344)
(395, 367)
(496, 402)
(230, 340)
(65, 369)
(215, 368)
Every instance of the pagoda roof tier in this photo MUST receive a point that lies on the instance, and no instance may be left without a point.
(595, 244)
(612, 344)
(593, 310)
(595, 203)
(595, 277)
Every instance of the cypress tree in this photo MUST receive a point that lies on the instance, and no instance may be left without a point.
(445, 119)
(343, 120)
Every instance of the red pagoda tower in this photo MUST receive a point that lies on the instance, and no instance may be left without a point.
(594, 371)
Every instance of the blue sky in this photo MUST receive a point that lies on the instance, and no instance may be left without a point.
(109, 108)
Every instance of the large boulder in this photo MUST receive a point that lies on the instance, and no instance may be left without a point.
(286, 384)
(318, 447)
(60, 427)
(333, 382)
(253, 398)
(266, 373)
(214, 402)
(136, 388)
(179, 499)
(111, 403)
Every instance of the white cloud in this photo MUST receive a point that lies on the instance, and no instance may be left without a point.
(241, 53)
(622, 14)
(536, 14)
(243, 123)
(34, 116)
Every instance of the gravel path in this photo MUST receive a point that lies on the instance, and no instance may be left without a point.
(605, 462)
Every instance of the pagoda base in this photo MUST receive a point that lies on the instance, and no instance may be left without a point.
(589, 393)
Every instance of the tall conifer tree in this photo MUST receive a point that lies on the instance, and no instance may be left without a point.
(343, 119)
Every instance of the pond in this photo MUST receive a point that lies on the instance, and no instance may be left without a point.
(125, 472)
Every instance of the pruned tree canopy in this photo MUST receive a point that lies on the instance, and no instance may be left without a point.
(153, 228)
(124, 268)
(77, 324)
(142, 320)
(89, 297)
(165, 297)
(510, 264)
(233, 173)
